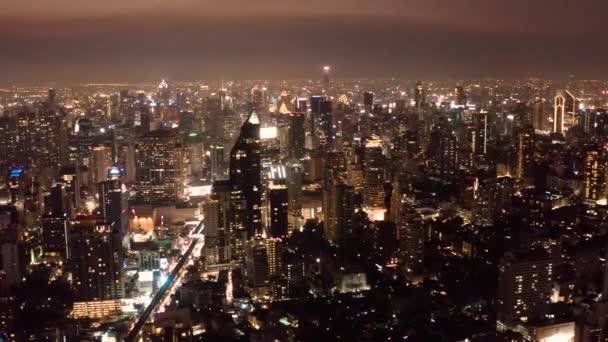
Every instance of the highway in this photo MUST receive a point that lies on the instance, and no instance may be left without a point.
(163, 290)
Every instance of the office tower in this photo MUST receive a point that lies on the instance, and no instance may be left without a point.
(321, 118)
(460, 98)
(278, 204)
(373, 182)
(538, 114)
(245, 171)
(443, 154)
(54, 238)
(564, 109)
(368, 101)
(587, 121)
(225, 225)
(100, 163)
(258, 99)
(217, 239)
(95, 261)
(195, 155)
(412, 232)
(491, 196)
(326, 122)
(218, 163)
(50, 145)
(258, 273)
(479, 134)
(295, 174)
(419, 95)
(8, 143)
(113, 205)
(525, 153)
(54, 224)
(158, 159)
(524, 287)
(12, 259)
(297, 135)
(594, 173)
(339, 213)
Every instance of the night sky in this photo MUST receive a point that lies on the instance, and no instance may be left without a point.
(136, 40)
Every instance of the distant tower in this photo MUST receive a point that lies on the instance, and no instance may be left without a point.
(368, 101)
(564, 108)
(460, 98)
(52, 99)
(419, 95)
(326, 71)
(559, 111)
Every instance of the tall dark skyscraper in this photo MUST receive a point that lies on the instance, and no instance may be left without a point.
(245, 171)
(368, 101)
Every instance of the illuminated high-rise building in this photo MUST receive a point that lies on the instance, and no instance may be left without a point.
(245, 171)
(295, 174)
(443, 154)
(113, 205)
(54, 237)
(340, 211)
(594, 173)
(479, 136)
(225, 225)
(159, 169)
(564, 108)
(297, 135)
(525, 153)
(258, 273)
(373, 181)
(95, 261)
(278, 203)
(217, 161)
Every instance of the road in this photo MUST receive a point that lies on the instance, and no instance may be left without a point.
(163, 290)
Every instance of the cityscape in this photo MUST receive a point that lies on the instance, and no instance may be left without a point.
(269, 182)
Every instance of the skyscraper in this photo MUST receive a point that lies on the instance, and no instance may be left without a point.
(373, 181)
(278, 215)
(95, 261)
(368, 101)
(564, 108)
(113, 205)
(159, 170)
(341, 208)
(594, 173)
(525, 152)
(443, 154)
(245, 171)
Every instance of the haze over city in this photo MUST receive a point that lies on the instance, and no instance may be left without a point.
(187, 40)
